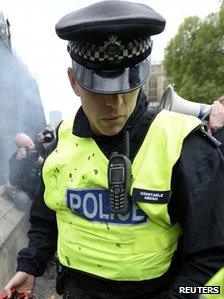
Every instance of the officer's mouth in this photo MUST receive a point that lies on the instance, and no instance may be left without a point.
(113, 120)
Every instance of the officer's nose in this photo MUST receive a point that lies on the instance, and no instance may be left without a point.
(114, 100)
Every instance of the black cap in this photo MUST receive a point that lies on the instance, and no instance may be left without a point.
(109, 43)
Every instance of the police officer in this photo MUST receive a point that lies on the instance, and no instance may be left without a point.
(161, 227)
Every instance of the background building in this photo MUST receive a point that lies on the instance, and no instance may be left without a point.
(21, 109)
(55, 118)
(157, 83)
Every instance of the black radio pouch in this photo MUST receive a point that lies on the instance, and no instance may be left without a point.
(60, 280)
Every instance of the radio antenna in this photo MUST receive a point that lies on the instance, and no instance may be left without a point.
(126, 144)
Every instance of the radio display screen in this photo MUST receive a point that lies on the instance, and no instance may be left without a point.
(117, 175)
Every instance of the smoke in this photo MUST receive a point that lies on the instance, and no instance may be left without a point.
(21, 109)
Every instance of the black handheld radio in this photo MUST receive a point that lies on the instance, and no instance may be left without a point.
(119, 180)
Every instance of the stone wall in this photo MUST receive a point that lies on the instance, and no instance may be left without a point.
(14, 214)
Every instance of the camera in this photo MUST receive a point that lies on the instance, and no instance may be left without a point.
(48, 135)
(31, 154)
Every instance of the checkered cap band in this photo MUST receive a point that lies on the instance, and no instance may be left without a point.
(99, 53)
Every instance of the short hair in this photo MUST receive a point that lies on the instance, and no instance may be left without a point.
(221, 99)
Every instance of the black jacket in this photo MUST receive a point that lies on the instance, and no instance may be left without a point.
(219, 135)
(24, 174)
(197, 203)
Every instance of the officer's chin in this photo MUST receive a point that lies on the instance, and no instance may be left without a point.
(111, 131)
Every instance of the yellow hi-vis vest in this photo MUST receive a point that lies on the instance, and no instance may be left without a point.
(135, 246)
(216, 281)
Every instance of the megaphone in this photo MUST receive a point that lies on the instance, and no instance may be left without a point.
(173, 102)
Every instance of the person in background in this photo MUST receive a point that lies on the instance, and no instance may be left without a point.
(216, 121)
(43, 141)
(132, 201)
(24, 165)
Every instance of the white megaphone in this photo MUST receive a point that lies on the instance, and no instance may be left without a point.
(173, 102)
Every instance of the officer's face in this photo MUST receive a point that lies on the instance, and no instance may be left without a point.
(107, 113)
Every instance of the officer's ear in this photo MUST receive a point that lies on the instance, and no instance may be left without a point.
(73, 81)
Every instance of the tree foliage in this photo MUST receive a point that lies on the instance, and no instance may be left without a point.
(194, 58)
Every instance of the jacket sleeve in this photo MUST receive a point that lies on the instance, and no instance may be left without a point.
(16, 170)
(198, 205)
(42, 238)
(42, 234)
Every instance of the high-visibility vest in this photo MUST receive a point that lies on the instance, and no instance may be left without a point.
(135, 246)
(216, 281)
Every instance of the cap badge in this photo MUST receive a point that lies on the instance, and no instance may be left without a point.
(113, 47)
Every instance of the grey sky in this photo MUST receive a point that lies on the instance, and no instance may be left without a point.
(35, 41)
